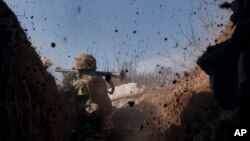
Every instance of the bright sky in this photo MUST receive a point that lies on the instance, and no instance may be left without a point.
(147, 31)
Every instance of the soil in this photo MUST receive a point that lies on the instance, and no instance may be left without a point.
(30, 108)
(183, 111)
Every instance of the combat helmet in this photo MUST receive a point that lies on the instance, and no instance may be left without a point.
(85, 61)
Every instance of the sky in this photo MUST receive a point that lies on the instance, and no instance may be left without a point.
(146, 32)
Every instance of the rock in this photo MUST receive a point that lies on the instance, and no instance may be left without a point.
(127, 90)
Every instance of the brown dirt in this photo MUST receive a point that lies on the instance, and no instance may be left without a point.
(29, 100)
(183, 111)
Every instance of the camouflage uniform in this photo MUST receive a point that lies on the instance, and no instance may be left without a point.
(98, 107)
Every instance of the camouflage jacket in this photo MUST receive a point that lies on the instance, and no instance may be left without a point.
(94, 86)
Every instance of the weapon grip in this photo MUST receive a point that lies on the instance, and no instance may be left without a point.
(111, 84)
(112, 87)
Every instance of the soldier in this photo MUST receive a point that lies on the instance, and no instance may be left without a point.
(228, 64)
(98, 107)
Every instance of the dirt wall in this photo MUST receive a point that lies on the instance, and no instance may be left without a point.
(30, 107)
